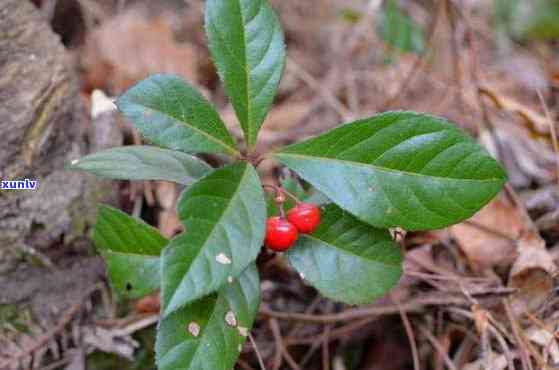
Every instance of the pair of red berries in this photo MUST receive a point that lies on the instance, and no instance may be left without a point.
(282, 233)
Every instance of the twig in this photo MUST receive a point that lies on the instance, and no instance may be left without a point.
(290, 361)
(334, 334)
(524, 356)
(323, 340)
(435, 343)
(45, 338)
(326, 348)
(486, 120)
(492, 330)
(274, 325)
(412, 306)
(418, 62)
(411, 336)
(318, 88)
(278, 355)
(551, 130)
(256, 351)
(310, 309)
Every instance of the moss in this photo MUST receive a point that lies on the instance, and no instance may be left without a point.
(83, 211)
(40, 129)
(14, 318)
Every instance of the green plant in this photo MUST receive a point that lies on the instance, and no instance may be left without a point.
(396, 169)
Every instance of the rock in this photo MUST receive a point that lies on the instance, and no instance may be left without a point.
(42, 131)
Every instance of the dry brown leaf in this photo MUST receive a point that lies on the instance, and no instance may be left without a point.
(534, 121)
(485, 249)
(148, 304)
(532, 274)
(496, 362)
(545, 339)
(281, 118)
(525, 159)
(133, 45)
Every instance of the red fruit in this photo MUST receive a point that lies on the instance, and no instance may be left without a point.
(305, 217)
(280, 234)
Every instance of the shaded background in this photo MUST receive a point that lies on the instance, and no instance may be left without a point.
(478, 295)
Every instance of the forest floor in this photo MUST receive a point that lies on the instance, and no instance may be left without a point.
(478, 295)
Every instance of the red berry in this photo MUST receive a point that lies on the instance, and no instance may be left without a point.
(305, 217)
(280, 234)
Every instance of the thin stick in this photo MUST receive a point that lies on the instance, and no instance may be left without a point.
(50, 334)
(493, 330)
(274, 325)
(418, 62)
(278, 356)
(412, 306)
(334, 334)
(310, 309)
(552, 130)
(524, 356)
(435, 343)
(317, 87)
(411, 336)
(257, 352)
(326, 348)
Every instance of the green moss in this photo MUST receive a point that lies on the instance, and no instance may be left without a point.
(14, 318)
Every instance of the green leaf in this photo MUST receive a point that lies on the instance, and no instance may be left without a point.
(347, 260)
(169, 112)
(131, 249)
(246, 42)
(141, 162)
(224, 215)
(199, 337)
(399, 30)
(402, 169)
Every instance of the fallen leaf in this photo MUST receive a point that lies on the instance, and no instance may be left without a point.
(484, 248)
(545, 339)
(535, 122)
(133, 45)
(280, 120)
(148, 304)
(496, 362)
(525, 159)
(531, 274)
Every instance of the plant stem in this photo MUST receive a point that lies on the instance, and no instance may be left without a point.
(280, 190)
